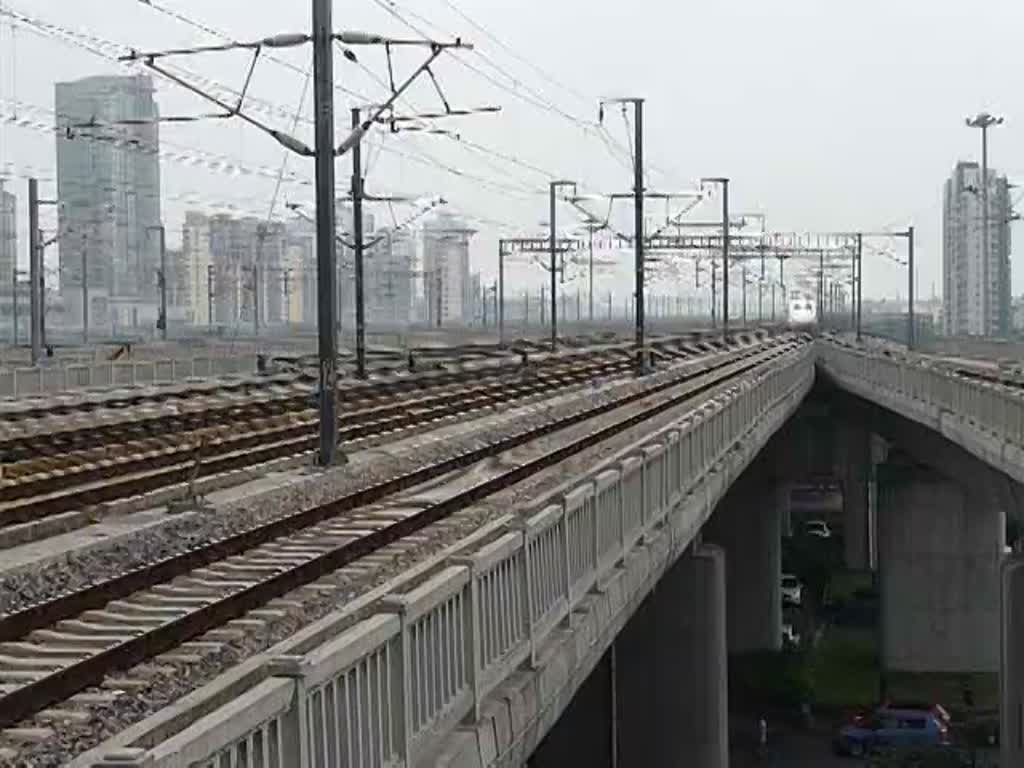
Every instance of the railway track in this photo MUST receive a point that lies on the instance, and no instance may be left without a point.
(53, 650)
(211, 441)
(95, 476)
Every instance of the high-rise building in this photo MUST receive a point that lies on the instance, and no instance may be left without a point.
(976, 286)
(241, 260)
(108, 186)
(9, 262)
(300, 260)
(8, 235)
(388, 274)
(195, 266)
(448, 291)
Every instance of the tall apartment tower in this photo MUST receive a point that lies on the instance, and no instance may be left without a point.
(8, 236)
(8, 256)
(108, 187)
(976, 289)
(447, 288)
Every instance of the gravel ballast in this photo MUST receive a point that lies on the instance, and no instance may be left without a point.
(250, 505)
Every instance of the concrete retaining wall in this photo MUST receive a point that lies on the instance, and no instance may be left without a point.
(27, 382)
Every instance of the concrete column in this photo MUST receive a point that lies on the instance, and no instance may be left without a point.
(1011, 662)
(582, 735)
(784, 503)
(659, 697)
(671, 671)
(747, 529)
(702, 730)
(855, 480)
(853, 470)
(879, 451)
(636, 681)
(939, 552)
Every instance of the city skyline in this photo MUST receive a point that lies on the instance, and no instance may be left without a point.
(227, 165)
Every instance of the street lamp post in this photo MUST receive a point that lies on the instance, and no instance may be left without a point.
(984, 121)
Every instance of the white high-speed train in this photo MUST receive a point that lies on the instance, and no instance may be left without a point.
(803, 313)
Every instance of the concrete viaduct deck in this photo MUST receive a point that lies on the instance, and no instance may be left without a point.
(653, 568)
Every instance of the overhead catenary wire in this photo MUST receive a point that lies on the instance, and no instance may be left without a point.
(516, 87)
(202, 26)
(110, 51)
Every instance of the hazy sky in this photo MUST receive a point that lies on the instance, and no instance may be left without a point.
(826, 115)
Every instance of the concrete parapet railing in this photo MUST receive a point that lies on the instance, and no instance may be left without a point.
(23, 382)
(985, 417)
(384, 692)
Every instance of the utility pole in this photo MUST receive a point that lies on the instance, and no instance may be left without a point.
(357, 247)
(860, 281)
(724, 182)
(161, 279)
(209, 296)
(256, 300)
(760, 290)
(543, 307)
(500, 294)
(35, 273)
(14, 304)
(853, 284)
(163, 283)
(911, 330)
(438, 286)
(638, 226)
(821, 284)
(323, 107)
(638, 194)
(714, 293)
(553, 246)
(287, 298)
(85, 290)
(743, 275)
(590, 272)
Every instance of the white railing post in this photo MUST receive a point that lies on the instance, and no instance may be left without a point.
(564, 522)
(472, 631)
(295, 724)
(401, 681)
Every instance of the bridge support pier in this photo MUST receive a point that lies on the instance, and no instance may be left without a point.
(854, 469)
(784, 503)
(659, 697)
(748, 529)
(940, 547)
(1011, 663)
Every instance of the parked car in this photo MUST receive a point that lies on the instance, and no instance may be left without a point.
(792, 589)
(937, 710)
(818, 528)
(790, 637)
(890, 727)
